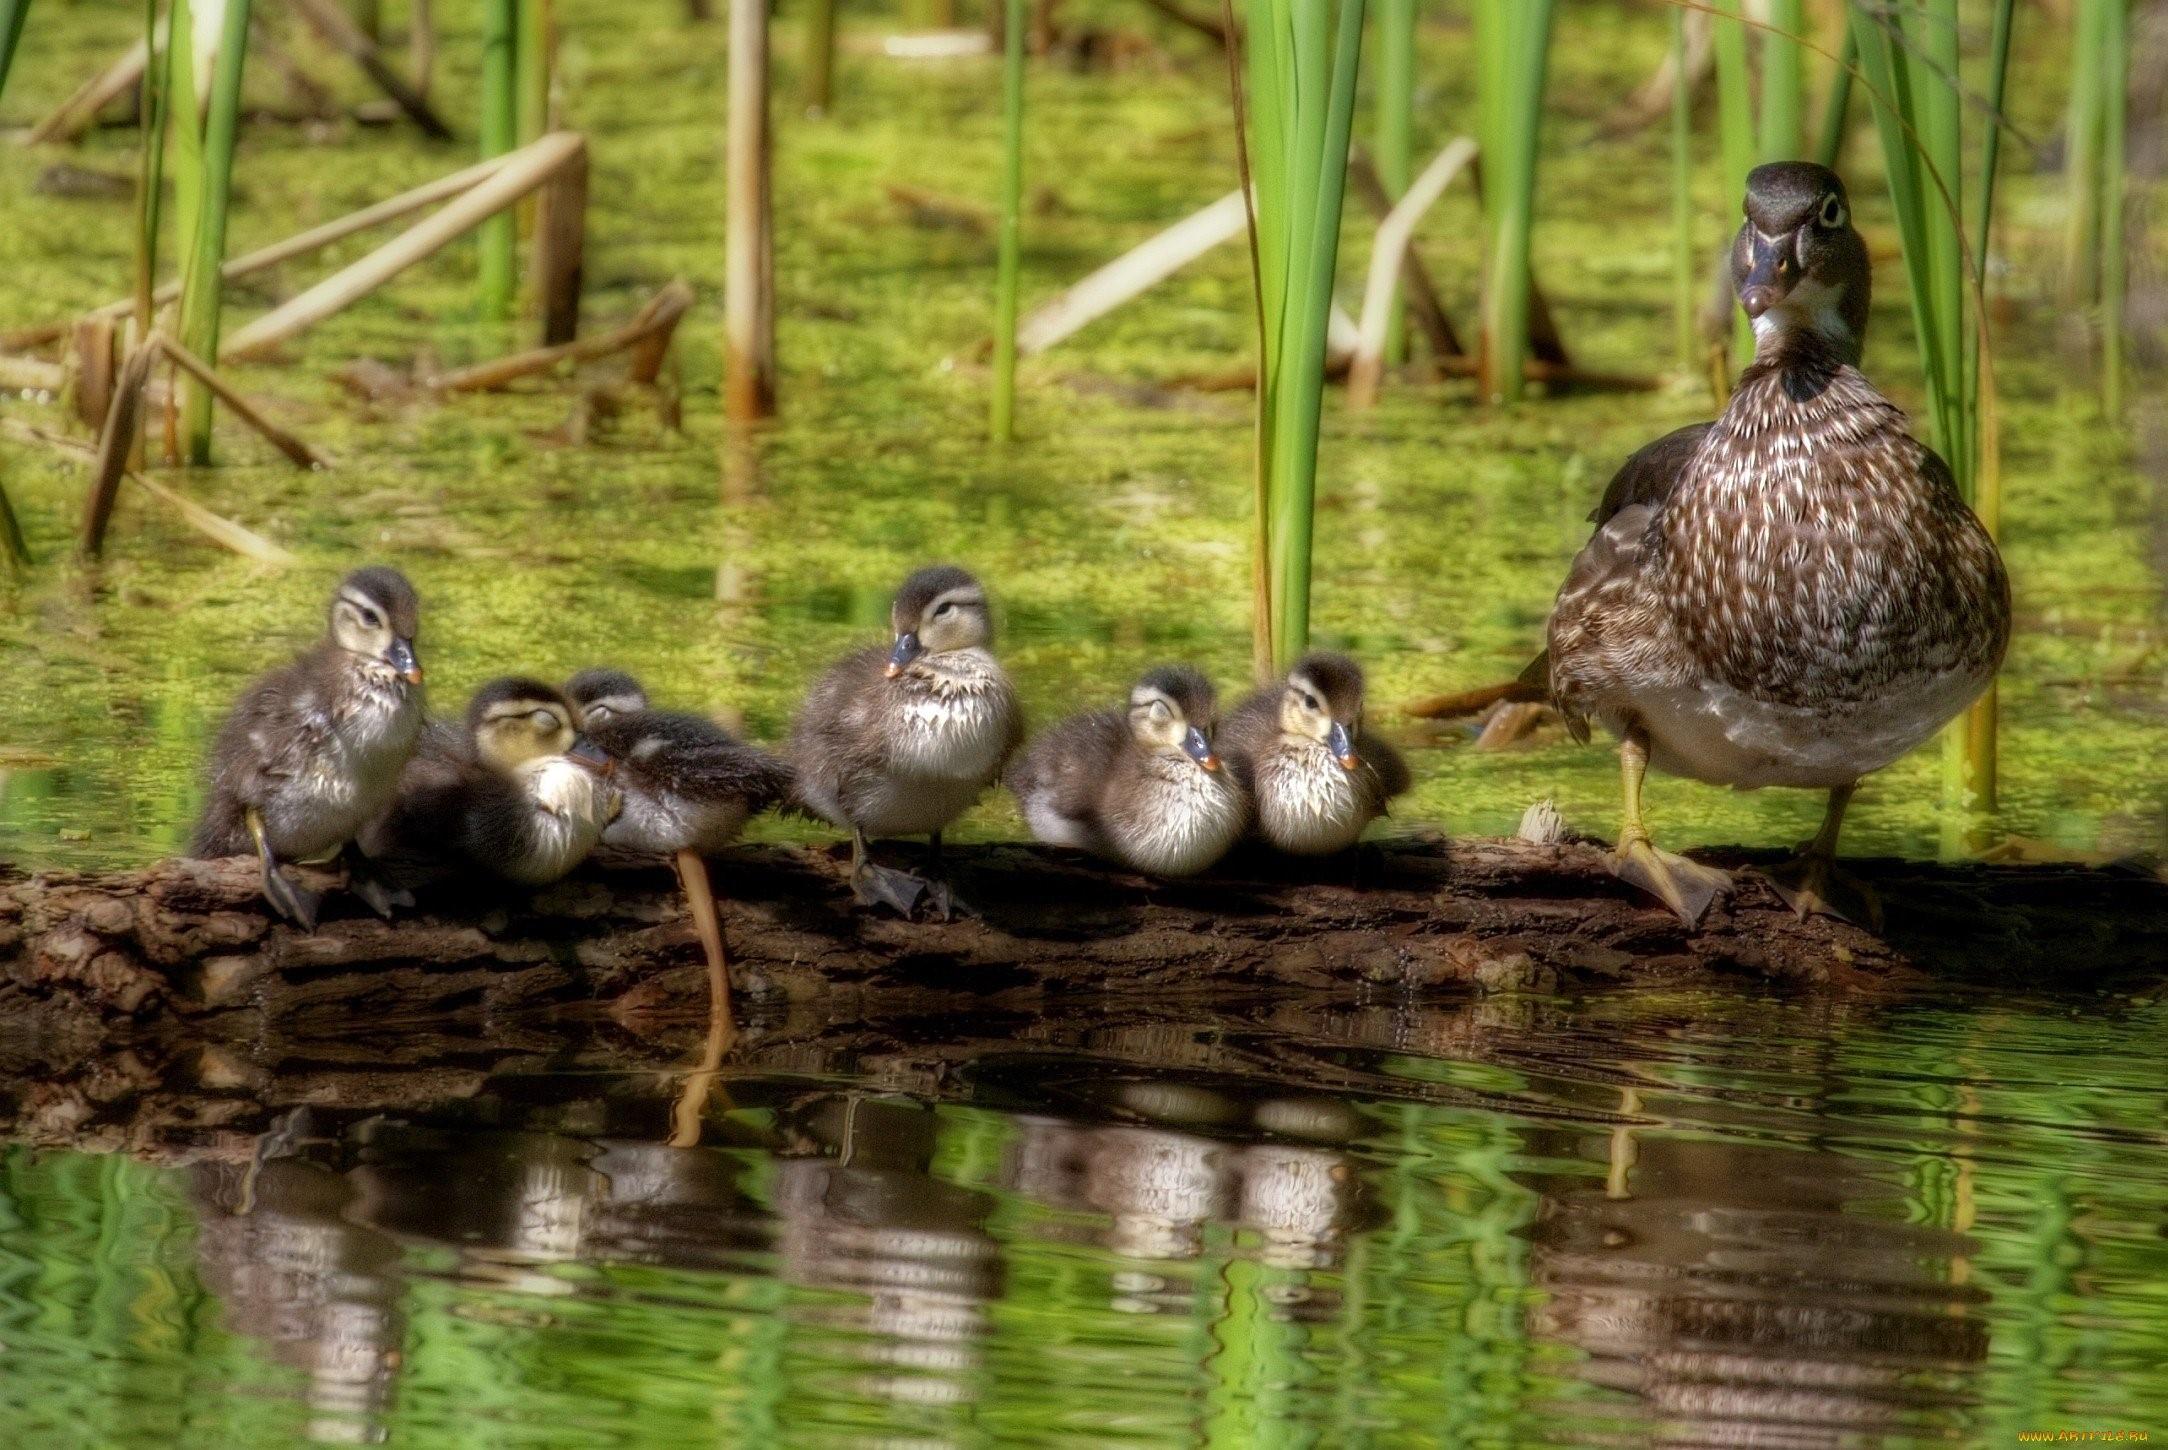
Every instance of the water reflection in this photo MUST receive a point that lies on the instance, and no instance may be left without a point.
(1597, 1224)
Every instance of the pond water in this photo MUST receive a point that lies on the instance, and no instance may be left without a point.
(1634, 1219)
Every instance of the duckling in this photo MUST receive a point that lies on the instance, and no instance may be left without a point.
(517, 792)
(1796, 595)
(899, 741)
(1142, 788)
(1294, 746)
(689, 787)
(312, 751)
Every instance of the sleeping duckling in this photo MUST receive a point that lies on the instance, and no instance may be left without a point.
(689, 787)
(1143, 789)
(313, 751)
(898, 741)
(518, 793)
(688, 784)
(1298, 747)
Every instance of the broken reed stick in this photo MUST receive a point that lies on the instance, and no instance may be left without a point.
(115, 442)
(316, 238)
(1134, 272)
(1422, 293)
(96, 356)
(300, 453)
(73, 116)
(519, 173)
(30, 375)
(1389, 255)
(560, 249)
(216, 527)
(1468, 702)
(654, 324)
(749, 223)
(341, 34)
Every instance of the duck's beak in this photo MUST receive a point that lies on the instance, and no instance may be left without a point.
(401, 658)
(907, 649)
(1341, 742)
(585, 752)
(1771, 277)
(1200, 749)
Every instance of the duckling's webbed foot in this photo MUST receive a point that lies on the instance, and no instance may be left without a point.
(899, 891)
(378, 894)
(297, 904)
(1815, 885)
(1687, 887)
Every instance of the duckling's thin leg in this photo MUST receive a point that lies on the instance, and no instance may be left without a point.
(1687, 887)
(873, 885)
(363, 879)
(297, 904)
(938, 894)
(708, 925)
(1812, 881)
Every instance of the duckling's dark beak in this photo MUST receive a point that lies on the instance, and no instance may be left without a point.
(1342, 745)
(586, 752)
(401, 658)
(1200, 749)
(907, 649)
(1770, 279)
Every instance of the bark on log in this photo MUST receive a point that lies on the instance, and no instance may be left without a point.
(184, 943)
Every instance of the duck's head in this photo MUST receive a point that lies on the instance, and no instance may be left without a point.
(516, 721)
(375, 616)
(1798, 264)
(601, 695)
(937, 610)
(1323, 701)
(1173, 709)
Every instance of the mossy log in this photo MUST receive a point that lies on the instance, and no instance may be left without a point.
(189, 941)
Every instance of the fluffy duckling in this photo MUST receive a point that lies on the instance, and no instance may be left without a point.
(900, 741)
(518, 793)
(689, 787)
(1298, 747)
(688, 784)
(1142, 788)
(313, 751)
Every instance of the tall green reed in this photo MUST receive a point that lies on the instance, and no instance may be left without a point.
(1909, 55)
(150, 172)
(1513, 39)
(1301, 94)
(1683, 261)
(204, 241)
(1008, 281)
(1393, 144)
(498, 237)
(2094, 262)
(1746, 136)
(12, 15)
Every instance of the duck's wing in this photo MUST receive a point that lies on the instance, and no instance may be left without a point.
(1642, 486)
(837, 740)
(1652, 473)
(417, 839)
(1385, 766)
(692, 756)
(267, 739)
(1061, 776)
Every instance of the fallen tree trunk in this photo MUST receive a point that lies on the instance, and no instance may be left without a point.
(190, 940)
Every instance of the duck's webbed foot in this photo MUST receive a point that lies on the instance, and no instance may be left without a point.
(1687, 887)
(297, 904)
(363, 879)
(1813, 884)
(899, 891)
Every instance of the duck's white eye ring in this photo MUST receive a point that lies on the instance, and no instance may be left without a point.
(1832, 212)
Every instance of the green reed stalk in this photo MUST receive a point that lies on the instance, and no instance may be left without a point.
(1394, 143)
(2088, 112)
(1683, 284)
(498, 237)
(1837, 102)
(2115, 94)
(12, 15)
(531, 47)
(1909, 57)
(206, 254)
(1012, 222)
(1783, 81)
(1737, 141)
(14, 548)
(1513, 42)
(820, 55)
(150, 172)
(1301, 113)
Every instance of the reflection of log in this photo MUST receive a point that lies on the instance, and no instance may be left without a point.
(188, 939)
